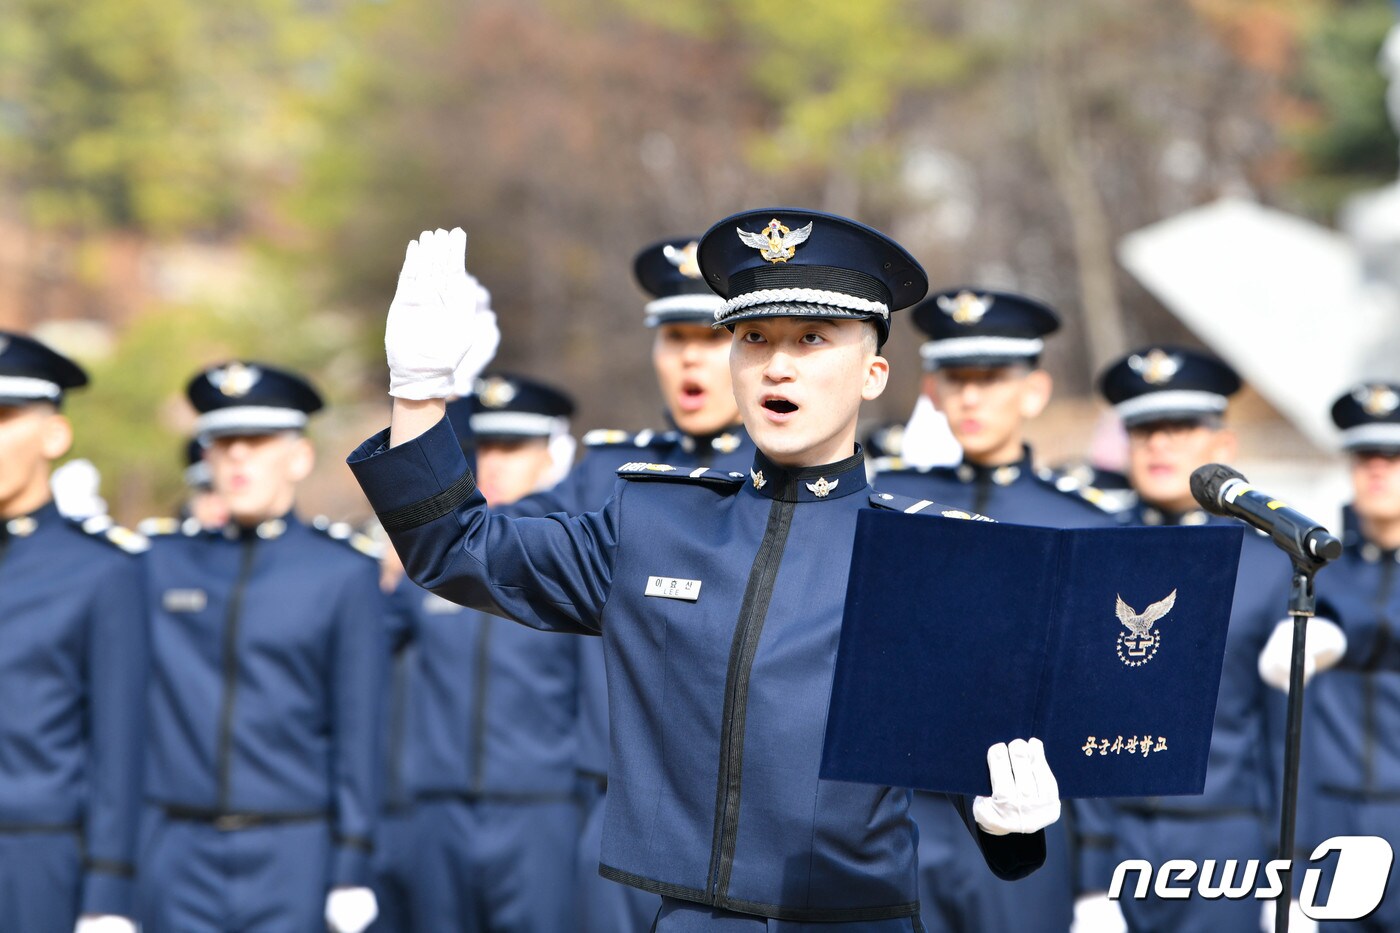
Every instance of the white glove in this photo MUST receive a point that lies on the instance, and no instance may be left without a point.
(104, 923)
(1095, 913)
(75, 488)
(562, 448)
(486, 338)
(433, 317)
(1324, 646)
(1298, 922)
(1025, 797)
(350, 910)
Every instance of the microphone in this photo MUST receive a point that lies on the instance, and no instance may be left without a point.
(1221, 490)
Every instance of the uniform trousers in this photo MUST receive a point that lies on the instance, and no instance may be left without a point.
(40, 880)
(198, 878)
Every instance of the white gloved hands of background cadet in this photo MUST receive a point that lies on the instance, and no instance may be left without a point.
(1025, 796)
(350, 910)
(1095, 913)
(104, 923)
(1324, 647)
(433, 318)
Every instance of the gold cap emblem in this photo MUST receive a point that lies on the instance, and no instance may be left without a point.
(1377, 400)
(495, 392)
(235, 380)
(684, 259)
(965, 307)
(776, 243)
(1156, 368)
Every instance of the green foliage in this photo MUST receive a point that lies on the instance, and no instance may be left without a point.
(1349, 144)
(159, 116)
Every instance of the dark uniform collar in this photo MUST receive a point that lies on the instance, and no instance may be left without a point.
(22, 526)
(1354, 541)
(1001, 475)
(1151, 515)
(724, 441)
(269, 530)
(808, 484)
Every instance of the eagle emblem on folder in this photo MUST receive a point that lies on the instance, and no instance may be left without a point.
(1139, 643)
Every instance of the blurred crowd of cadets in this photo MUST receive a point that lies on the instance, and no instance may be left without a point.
(255, 158)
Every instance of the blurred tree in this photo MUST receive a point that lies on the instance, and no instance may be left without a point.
(1339, 124)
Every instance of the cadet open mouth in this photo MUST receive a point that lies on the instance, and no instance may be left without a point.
(781, 405)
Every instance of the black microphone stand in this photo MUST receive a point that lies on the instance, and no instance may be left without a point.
(1302, 605)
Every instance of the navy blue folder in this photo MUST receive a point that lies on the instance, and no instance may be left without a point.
(1106, 643)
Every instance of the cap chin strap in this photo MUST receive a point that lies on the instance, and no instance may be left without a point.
(1189, 401)
(29, 387)
(815, 296)
(659, 310)
(1371, 435)
(250, 418)
(951, 349)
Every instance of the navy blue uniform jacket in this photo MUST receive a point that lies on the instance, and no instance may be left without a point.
(719, 702)
(72, 676)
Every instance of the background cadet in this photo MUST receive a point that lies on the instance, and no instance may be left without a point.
(691, 360)
(982, 371)
(492, 726)
(1172, 402)
(719, 698)
(267, 649)
(1351, 740)
(72, 672)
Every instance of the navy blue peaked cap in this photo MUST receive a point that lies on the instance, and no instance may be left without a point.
(31, 372)
(668, 270)
(983, 327)
(1168, 384)
(1369, 416)
(239, 397)
(788, 262)
(507, 406)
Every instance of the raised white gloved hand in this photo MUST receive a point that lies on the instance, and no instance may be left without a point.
(1095, 913)
(433, 318)
(486, 338)
(104, 923)
(1324, 647)
(350, 910)
(1025, 796)
(1298, 922)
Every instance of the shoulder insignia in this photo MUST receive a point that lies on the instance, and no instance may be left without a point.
(345, 533)
(887, 464)
(664, 471)
(151, 527)
(102, 526)
(1070, 486)
(604, 437)
(911, 506)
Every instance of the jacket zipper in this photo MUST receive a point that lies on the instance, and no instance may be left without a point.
(1369, 684)
(483, 667)
(982, 491)
(398, 713)
(743, 649)
(224, 757)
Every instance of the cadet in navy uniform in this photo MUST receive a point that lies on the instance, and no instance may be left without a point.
(691, 359)
(1351, 740)
(982, 370)
(267, 646)
(1173, 402)
(72, 672)
(719, 597)
(492, 715)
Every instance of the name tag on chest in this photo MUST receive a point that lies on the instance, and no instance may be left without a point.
(673, 588)
(184, 600)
